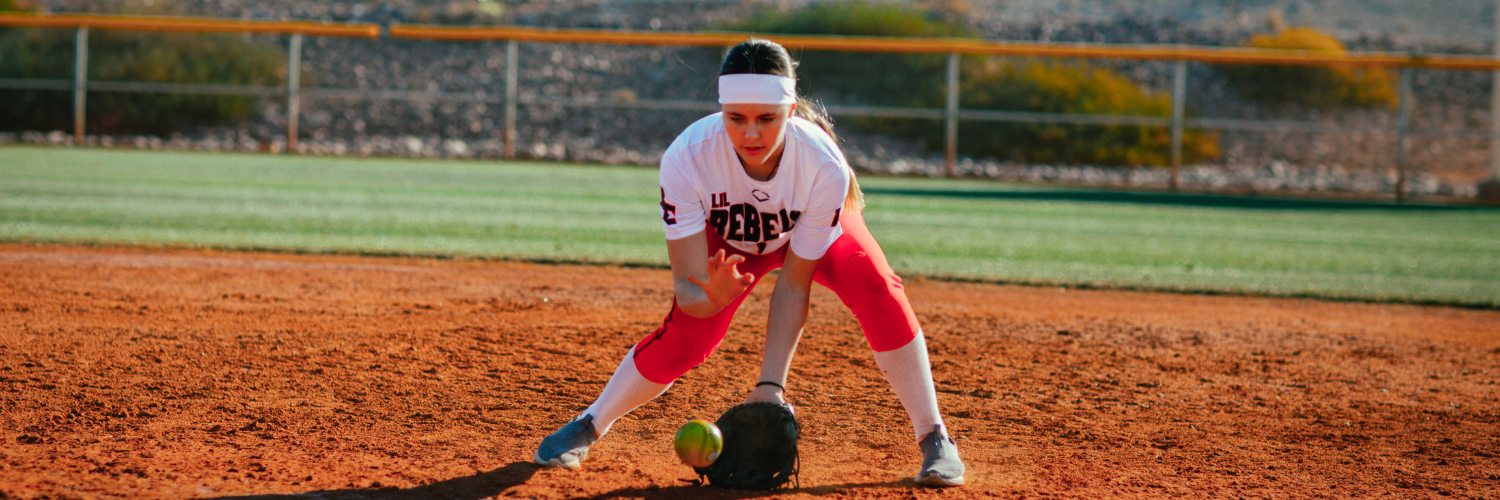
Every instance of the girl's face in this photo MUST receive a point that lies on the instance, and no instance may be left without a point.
(758, 131)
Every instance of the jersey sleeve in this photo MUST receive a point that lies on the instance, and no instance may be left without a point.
(818, 226)
(682, 205)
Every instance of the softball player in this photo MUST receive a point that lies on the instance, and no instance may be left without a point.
(759, 186)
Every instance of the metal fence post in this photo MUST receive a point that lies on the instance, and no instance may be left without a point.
(510, 98)
(293, 93)
(80, 83)
(1179, 96)
(950, 115)
(1403, 123)
(1495, 108)
(1495, 124)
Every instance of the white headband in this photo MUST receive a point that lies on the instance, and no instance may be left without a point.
(757, 89)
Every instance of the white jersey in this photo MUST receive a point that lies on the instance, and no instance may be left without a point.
(704, 185)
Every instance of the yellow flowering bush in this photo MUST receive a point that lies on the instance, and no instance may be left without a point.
(1066, 87)
(1321, 87)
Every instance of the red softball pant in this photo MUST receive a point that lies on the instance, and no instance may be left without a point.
(854, 268)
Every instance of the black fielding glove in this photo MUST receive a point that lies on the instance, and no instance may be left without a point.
(760, 448)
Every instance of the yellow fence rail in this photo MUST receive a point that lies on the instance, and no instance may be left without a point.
(1213, 55)
(187, 24)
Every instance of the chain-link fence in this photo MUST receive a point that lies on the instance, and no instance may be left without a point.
(1166, 116)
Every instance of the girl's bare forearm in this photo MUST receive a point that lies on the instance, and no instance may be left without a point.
(783, 330)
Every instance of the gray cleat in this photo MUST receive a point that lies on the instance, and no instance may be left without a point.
(941, 466)
(569, 445)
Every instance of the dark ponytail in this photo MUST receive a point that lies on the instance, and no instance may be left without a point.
(764, 57)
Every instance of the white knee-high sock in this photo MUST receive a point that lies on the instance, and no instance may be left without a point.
(910, 375)
(626, 390)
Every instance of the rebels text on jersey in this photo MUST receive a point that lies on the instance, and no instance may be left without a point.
(703, 186)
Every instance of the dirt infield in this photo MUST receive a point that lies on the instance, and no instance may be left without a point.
(144, 373)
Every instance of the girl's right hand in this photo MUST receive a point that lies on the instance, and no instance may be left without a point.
(725, 282)
(766, 394)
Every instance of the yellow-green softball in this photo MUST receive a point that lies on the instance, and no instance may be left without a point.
(699, 443)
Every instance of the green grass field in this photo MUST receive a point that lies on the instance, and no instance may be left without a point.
(964, 229)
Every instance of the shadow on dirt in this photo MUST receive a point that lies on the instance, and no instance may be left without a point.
(493, 483)
(693, 491)
(1168, 199)
(476, 486)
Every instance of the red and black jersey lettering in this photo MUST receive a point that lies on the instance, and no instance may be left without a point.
(743, 222)
(752, 224)
(768, 223)
(668, 210)
(736, 220)
(719, 220)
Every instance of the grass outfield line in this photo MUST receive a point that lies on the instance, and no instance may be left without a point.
(959, 229)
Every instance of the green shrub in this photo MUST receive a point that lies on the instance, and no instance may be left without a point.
(1070, 87)
(14, 5)
(1320, 87)
(133, 56)
(919, 81)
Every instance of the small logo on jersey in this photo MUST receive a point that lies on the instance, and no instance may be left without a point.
(759, 195)
(668, 210)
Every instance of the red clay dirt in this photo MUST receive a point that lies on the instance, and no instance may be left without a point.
(162, 373)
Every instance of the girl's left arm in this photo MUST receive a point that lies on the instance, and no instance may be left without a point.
(788, 314)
